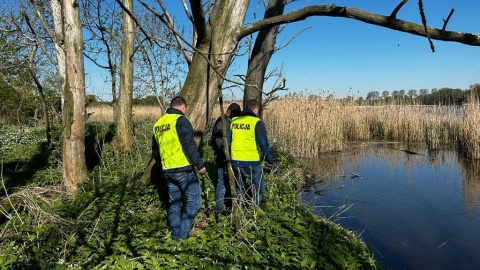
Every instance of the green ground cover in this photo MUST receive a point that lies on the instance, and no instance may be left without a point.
(117, 222)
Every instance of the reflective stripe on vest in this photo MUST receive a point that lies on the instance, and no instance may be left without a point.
(171, 151)
(244, 144)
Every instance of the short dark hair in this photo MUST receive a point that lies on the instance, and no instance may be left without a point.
(177, 102)
(253, 104)
(234, 109)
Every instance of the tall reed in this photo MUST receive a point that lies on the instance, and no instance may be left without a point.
(104, 113)
(306, 126)
(469, 142)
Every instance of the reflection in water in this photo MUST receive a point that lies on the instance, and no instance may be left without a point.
(418, 209)
(471, 184)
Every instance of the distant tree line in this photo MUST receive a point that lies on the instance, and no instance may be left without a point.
(92, 100)
(22, 107)
(442, 96)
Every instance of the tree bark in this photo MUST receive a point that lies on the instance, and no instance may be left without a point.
(59, 42)
(261, 54)
(220, 39)
(124, 135)
(73, 156)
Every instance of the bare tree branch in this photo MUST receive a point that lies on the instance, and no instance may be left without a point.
(147, 59)
(38, 41)
(40, 17)
(291, 39)
(199, 20)
(114, 37)
(445, 22)
(279, 85)
(95, 61)
(397, 9)
(187, 12)
(111, 65)
(241, 76)
(364, 16)
(171, 25)
(424, 22)
(178, 37)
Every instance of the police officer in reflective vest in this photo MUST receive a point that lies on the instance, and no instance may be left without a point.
(246, 136)
(174, 148)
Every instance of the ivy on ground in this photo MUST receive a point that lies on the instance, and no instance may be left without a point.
(116, 221)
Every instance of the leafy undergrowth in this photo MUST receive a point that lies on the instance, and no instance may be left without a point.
(117, 222)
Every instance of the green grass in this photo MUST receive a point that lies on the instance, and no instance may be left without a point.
(117, 222)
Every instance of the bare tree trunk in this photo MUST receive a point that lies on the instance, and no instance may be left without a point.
(123, 108)
(261, 54)
(231, 177)
(199, 95)
(73, 156)
(59, 41)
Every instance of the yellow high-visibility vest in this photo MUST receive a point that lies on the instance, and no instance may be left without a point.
(244, 144)
(171, 151)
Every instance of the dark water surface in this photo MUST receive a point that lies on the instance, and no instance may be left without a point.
(416, 211)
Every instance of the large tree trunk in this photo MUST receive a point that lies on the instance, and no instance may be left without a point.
(222, 35)
(262, 52)
(123, 110)
(73, 156)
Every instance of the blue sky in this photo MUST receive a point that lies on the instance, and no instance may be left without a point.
(340, 56)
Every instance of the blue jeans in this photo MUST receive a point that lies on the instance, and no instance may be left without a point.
(180, 185)
(221, 187)
(246, 191)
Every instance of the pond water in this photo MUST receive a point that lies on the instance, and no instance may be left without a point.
(416, 211)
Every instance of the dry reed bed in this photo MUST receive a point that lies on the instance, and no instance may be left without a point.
(307, 127)
(470, 132)
(104, 113)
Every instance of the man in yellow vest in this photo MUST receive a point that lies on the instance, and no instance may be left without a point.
(174, 147)
(246, 136)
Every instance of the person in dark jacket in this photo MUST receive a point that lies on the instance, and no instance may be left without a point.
(223, 185)
(246, 136)
(173, 146)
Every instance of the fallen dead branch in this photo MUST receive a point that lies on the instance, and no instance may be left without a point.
(30, 200)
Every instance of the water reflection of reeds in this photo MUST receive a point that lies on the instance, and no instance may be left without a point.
(332, 166)
(471, 183)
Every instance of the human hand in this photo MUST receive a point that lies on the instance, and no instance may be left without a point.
(269, 168)
(202, 170)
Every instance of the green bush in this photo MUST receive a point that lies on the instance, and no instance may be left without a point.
(17, 107)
